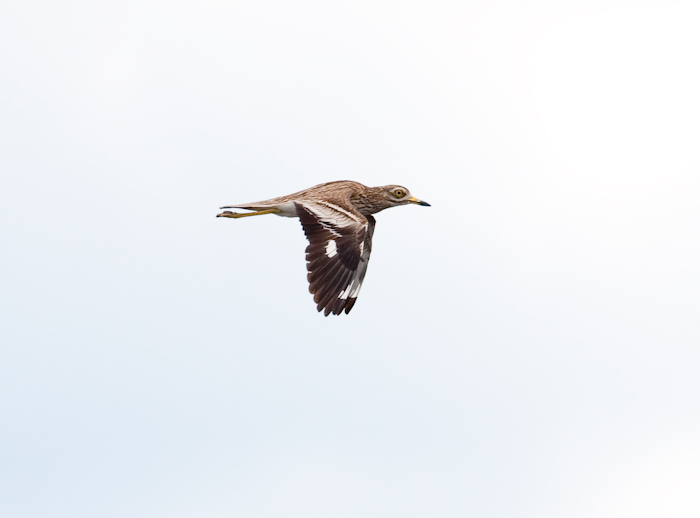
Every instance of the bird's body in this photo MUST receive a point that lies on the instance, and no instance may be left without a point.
(337, 220)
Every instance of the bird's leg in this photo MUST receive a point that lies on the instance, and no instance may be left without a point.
(229, 214)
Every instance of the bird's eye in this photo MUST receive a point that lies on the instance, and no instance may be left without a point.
(399, 193)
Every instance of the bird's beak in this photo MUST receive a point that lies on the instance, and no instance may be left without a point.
(418, 202)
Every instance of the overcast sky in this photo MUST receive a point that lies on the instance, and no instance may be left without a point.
(529, 346)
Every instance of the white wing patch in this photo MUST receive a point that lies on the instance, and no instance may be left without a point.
(346, 292)
(335, 207)
(331, 248)
(349, 291)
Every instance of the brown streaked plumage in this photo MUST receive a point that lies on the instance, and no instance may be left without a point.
(337, 220)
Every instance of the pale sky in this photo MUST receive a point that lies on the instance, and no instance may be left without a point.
(529, 346)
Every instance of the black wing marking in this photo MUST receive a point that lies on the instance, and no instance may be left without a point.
(340, 242)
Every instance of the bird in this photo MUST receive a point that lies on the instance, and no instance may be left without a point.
(338, 223)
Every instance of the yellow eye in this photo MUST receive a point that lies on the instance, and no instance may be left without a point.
(399, 193)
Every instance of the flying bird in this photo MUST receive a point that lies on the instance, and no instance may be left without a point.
(337, 220)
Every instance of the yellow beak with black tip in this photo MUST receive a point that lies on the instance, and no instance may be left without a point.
(418, 202)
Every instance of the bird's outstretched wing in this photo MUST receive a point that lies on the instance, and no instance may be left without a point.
(340, 241)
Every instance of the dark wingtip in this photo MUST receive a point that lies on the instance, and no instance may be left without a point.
(350, 304)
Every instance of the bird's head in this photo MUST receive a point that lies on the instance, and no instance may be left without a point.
(394, 195)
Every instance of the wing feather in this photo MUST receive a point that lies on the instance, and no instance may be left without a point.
(340, 242)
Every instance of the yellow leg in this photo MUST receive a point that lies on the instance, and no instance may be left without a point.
(229, 214)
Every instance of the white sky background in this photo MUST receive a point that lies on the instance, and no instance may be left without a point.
(528, 346)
